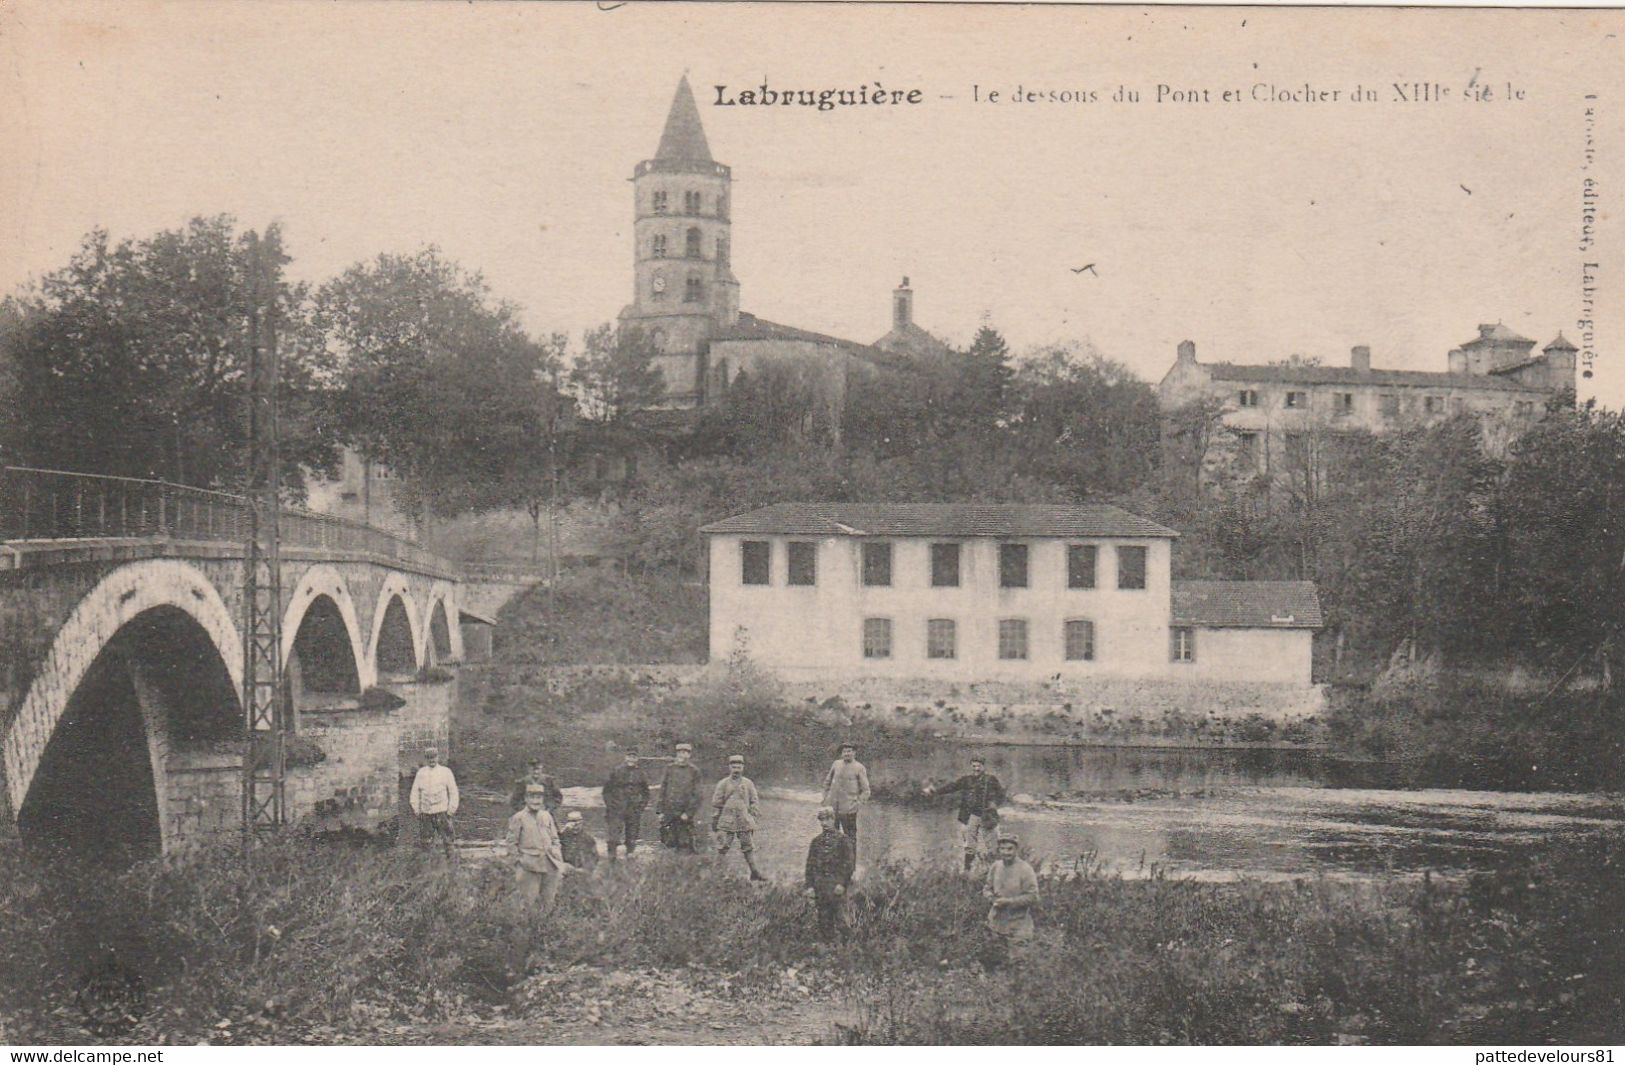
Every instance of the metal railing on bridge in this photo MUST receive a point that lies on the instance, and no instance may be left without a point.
(38, 504)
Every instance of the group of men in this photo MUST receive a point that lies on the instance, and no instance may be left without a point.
(542, 850)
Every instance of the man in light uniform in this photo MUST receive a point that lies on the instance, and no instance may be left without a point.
(434, 800)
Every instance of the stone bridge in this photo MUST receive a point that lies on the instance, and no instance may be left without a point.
(121, 654)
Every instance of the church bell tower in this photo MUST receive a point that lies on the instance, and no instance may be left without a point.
(685, 290)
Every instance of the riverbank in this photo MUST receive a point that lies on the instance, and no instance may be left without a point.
(319, 944)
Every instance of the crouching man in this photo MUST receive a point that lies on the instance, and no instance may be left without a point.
(533, 841)
(579, 846)
(831, 860)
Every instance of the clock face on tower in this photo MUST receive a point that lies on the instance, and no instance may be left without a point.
(660, 282)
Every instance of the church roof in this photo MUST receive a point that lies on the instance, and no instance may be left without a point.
(912, 339)
(1560, 344)
(750, 327)
(683, 139)
(1247, 604)
(942, 519)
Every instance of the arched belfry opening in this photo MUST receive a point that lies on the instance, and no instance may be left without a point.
(158, 685)
(397, 657)
(322, 671)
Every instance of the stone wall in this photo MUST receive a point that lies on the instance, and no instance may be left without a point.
(425, 720)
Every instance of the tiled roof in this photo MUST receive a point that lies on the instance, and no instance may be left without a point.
(1560, 344)
(1247, 604)
(750, 327)
(941, 519)
(683, 139)
(1498, 334)
(1346, 375)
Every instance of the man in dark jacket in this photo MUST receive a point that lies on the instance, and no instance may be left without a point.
(831, 860)
(626, 794)
(980, 796)
(553, 796)
(680, 800)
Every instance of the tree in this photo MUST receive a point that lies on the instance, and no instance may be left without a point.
(132, 360)
(439, 381)
(615, 375)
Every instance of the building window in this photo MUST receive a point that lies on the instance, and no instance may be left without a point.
(1247, 450)
(1080, 565)
(1080, 640)
(1343, 403)
(1297, 400)
(877, 565)
(1182, 646)
(660, 246)
(691, 246)
(1524, 408)
(722, 250)
(1247, 397)
(755, 557)
(693, 291)
(877, 638)
(940, 638)
(660, 201)
(1131, 567)
(1388, 403)
(1433, 404)
(1458, 406)
(691, 203)
(945, 565)
(803, 563)
(1012, 565)
(1013, 638)
(1297, 450)
(722, 206)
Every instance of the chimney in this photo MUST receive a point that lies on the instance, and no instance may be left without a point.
(1187, 351)
(1458, 361)
(1360, 359)
(902, 306)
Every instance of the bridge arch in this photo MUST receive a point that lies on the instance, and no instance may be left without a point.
(396, 647)
(324, 590)
(443, 633)
(147, 589)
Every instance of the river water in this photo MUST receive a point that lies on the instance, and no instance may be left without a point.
(1208, 814)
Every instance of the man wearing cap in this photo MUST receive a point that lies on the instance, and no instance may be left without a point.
(579, 847)
(535, 775)
(533, 840)
(1012, 886)
(434, 800)
(846, 789)
(980, 796)
(626, 794)
(832, 858)
(680, 800)
(734, 807)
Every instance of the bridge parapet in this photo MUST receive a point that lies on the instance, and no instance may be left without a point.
(48, 506)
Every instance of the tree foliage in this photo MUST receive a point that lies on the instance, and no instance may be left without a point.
(132, 360)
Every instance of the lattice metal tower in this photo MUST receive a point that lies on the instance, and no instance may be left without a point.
(265, 710)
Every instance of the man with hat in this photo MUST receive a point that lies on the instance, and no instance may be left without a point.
(533, 840)
(832, 858)
(626, 794)
(980, 796)
(734, 807)
(846, 789)
(680, 800)
(579, 847)
(535, 775)
(434, 800)
(1012, 886)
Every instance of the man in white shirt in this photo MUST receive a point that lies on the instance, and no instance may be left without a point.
(434, 800)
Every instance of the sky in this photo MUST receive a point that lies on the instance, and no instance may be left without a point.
(506, 134)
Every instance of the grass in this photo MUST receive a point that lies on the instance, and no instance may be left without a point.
(323, 944)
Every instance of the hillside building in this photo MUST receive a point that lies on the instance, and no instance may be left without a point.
(970, 592)
(1273, 414)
